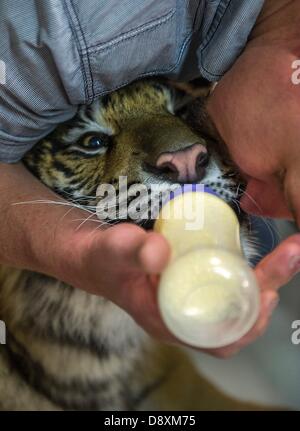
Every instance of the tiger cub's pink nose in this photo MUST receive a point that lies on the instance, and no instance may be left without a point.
(188, 165)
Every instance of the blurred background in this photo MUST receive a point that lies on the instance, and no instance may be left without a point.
(269, 370)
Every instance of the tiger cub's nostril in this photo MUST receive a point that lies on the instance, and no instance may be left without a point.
(186, 165)
(168, 167)
(202, 160)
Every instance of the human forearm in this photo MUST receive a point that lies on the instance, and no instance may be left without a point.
(33, 236)
(45, 238)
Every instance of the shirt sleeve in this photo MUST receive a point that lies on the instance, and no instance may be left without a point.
(41, 81)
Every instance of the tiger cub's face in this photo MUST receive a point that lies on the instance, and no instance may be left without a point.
(149, 132)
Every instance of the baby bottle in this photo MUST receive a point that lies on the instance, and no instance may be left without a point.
(208, 295)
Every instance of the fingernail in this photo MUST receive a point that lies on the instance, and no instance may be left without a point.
(273, 304)
(294, 264)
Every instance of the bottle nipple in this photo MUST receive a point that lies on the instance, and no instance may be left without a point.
(208, 295)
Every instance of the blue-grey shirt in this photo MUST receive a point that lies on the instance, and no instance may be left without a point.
(57, 54)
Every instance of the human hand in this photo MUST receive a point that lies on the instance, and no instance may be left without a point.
(123, 264)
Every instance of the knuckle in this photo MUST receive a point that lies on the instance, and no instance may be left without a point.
(122, 239)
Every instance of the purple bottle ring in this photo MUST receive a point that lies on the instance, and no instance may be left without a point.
(187, 188)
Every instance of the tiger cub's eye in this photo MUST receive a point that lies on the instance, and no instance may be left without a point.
(93, 142)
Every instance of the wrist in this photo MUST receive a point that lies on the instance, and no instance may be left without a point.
(42, 236)
(63, 254)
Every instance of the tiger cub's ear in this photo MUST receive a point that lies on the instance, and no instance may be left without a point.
(189, 102)
(199, 87)
(185, 92)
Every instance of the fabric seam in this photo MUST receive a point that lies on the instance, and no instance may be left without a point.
(151, 25)
(153, 72)
(77, 33)
(211, 33)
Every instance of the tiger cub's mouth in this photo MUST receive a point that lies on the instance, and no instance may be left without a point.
(141, 203)
(224, 185)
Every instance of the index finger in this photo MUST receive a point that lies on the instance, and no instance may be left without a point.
(280, 266)
(274, 271)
